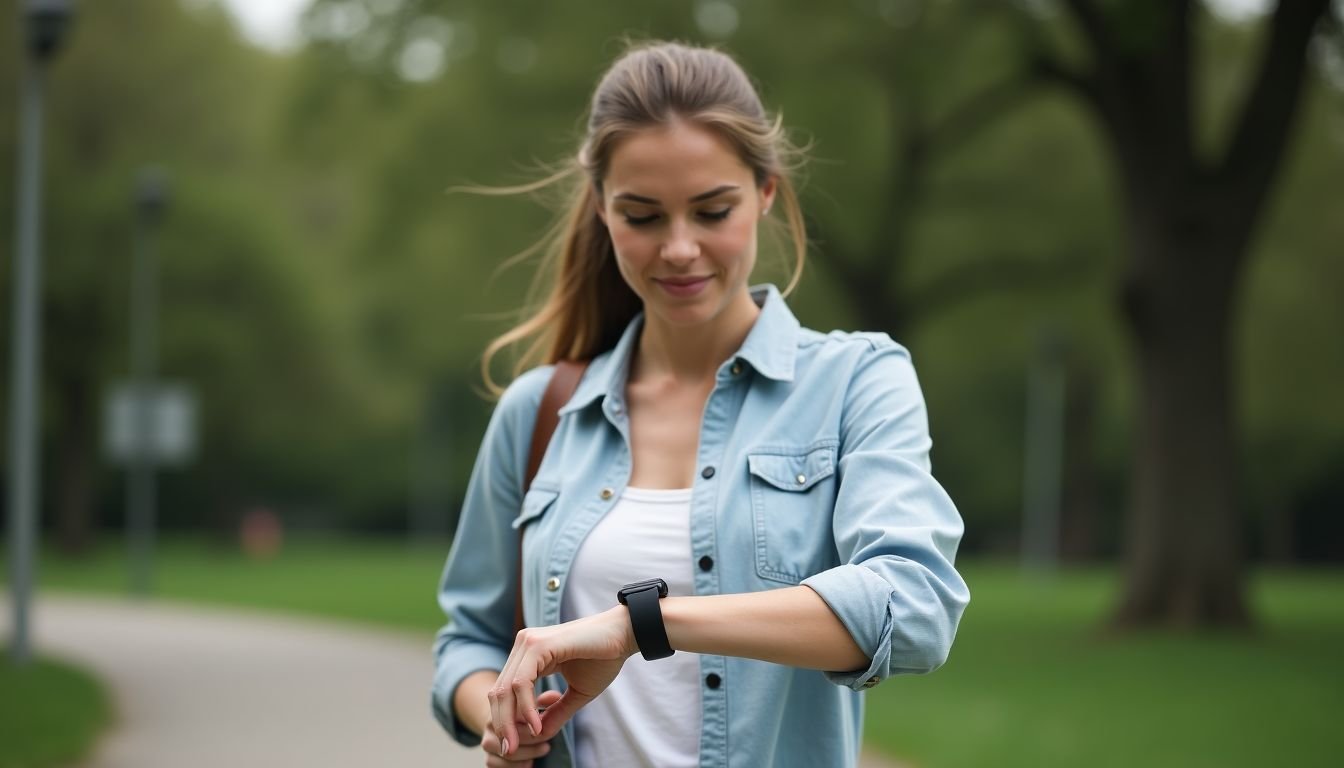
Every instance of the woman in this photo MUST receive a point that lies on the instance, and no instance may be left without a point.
(774, 478)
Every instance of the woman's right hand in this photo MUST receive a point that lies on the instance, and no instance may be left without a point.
(530, 747)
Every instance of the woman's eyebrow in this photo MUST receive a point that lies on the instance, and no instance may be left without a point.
(715, 192)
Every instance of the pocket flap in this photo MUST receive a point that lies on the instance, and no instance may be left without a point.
(535, 504)
(793, 472)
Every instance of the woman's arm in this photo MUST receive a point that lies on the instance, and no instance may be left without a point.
(469, 702)
(480, 580)
(792, 626)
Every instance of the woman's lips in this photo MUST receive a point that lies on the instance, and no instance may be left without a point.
(682, 286)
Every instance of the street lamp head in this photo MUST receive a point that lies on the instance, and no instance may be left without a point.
(47, 22)
(151, 193)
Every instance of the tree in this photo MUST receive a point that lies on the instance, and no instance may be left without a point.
(1190, 215)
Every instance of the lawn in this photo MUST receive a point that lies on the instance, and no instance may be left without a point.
(1031, 680)
(50, 713)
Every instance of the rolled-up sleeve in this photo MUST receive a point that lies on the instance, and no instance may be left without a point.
(480, 580)
(896, 529)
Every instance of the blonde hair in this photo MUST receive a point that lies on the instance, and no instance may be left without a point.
(588, 304)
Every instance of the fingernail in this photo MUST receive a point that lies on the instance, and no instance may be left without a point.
(505, 749)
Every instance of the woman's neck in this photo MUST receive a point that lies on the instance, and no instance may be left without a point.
(693, 355)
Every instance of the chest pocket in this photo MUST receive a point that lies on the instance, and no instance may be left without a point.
(792, 502)
(536, 503)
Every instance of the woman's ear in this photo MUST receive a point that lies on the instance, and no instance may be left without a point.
(767, 193)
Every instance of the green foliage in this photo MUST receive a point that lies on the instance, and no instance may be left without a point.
(328, 295)
(50, 713)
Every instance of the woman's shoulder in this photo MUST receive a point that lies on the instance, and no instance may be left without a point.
(522, 397)
(854, 344)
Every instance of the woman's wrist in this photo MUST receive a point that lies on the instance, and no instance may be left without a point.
(621, 615)
(470, 702)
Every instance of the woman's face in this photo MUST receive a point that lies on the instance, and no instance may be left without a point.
(682, 210)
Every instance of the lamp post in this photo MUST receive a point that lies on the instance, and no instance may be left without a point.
(46, 23)
(151, 197)
(1047, 386)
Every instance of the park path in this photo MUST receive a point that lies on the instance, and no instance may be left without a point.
(210, 687)
(206, 687)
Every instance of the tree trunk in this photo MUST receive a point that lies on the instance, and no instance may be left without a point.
(1183, 565)
(76, 467)
(1081, 495)
(1190, 223)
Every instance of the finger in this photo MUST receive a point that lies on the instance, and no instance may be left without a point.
(530, 751)
(503, 711)
(561, 711)
(525, 705)
(522, 757)
(547, 698)
(501, 717)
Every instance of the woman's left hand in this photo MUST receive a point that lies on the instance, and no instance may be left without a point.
(587, 652)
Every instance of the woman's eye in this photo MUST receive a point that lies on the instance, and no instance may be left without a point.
(636, 221)
(719, 215)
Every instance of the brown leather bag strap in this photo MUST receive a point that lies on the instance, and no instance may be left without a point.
(564, 382)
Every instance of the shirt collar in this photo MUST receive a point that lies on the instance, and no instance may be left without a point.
(770, 348)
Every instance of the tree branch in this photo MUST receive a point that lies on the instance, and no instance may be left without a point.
(1267, 113)
(970, 117)
(1090, 20)
(1048, 70)
(994, 275)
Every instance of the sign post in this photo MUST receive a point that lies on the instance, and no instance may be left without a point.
(46, 22)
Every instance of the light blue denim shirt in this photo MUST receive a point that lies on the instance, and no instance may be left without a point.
(813, 468)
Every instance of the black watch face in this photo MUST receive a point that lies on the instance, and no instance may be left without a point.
(640, 586)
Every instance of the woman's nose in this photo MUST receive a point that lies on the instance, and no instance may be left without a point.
(681, 246)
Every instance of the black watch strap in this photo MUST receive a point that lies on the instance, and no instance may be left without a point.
(646, 617)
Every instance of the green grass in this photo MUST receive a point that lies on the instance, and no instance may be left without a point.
(1031, 680)
(50, 713)
(376, 582)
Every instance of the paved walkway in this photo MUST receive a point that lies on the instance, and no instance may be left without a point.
(206, 687)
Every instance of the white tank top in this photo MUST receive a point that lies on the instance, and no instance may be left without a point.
(650, 715)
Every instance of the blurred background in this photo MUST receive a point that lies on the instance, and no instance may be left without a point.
(1111, 235)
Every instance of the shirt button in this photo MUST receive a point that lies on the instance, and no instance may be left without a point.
(617, 409)
(707, 473)
(713, 680)
(552, 584)
(606, 494)
(870, 682)
(706, 563)
(802, 479)
(737, 369)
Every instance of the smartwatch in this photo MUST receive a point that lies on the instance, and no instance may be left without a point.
(646, 616)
